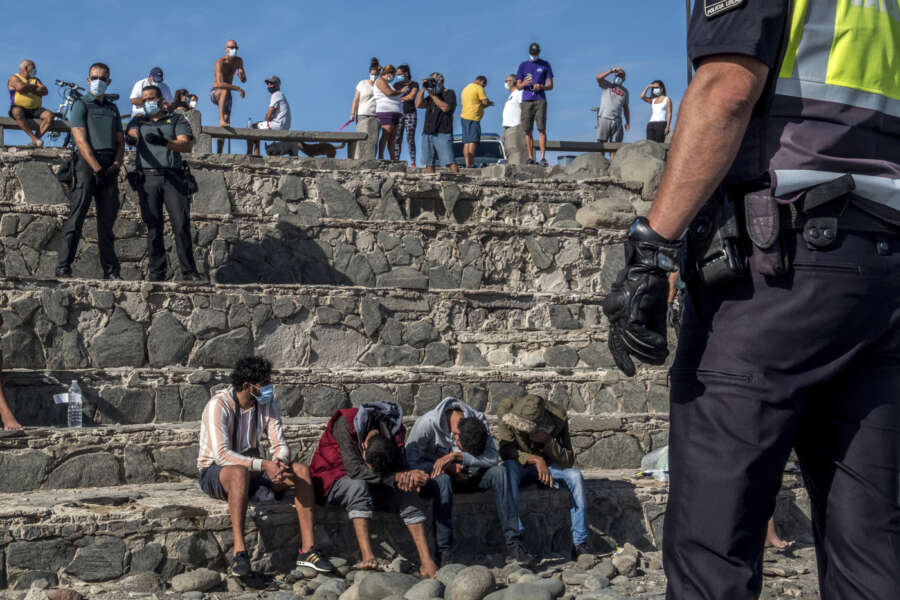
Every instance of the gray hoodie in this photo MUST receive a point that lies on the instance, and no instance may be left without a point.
(430, 438)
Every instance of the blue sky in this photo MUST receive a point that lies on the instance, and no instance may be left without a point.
(322, 49)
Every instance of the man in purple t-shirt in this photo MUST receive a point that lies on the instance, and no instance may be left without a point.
(534, 77)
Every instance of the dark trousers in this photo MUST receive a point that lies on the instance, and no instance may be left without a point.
(156, 190)
(656, 131)
(83, 191)
(809, 361)
(495, 478)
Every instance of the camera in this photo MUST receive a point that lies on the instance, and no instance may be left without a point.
(430, 83)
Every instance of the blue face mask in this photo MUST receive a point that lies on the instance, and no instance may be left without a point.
(266, 394)
(533, 57)
(151, 107)
(392, 80)
(618, 81)
(372, 77)
(400, 78)
(98, 86)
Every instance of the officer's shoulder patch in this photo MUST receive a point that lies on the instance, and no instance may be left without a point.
(714, 8)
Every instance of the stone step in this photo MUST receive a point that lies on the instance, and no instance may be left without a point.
(242, 186)
(311, 250)
(311, 334)
(138, 396)
(102, 534)
(56, 458)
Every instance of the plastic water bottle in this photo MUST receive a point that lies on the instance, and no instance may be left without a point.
(74, 404)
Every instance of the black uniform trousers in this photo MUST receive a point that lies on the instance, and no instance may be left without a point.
(810, 361)
(84, 190)
(166, 187)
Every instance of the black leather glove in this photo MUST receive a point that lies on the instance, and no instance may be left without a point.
(636, 304)
(155, 139)
(101, 177)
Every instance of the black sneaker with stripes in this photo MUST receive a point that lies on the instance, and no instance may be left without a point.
(313, 559)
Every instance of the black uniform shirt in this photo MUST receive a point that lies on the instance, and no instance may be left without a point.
(751, 27)
(170, 126)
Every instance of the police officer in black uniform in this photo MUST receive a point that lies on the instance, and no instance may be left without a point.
(785, 175)
(97, 131)
(161, 137)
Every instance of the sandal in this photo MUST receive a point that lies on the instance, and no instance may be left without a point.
(369, 565)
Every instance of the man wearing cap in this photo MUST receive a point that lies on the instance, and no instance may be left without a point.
(278, 116)
(155, 79)
(535, 77)
(535, 446)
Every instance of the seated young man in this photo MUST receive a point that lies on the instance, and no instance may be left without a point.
(230, 465)
(536, 448)
(452, 442)
(360, 465)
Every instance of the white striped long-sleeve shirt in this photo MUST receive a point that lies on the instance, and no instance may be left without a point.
(217, 425)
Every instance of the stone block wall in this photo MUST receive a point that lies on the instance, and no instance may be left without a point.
(276, 221)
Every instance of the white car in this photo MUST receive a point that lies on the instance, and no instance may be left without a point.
(490, 151)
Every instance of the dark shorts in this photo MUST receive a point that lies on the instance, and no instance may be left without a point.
(214, 98)
(471, 131)
(30, 113)
(534, 111)
(210, 484)
(388, 119)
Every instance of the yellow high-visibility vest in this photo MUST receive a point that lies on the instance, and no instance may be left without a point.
(836, 108)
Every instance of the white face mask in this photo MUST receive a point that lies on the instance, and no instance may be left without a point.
(657, 91)
(618, 81)
(192, 103)
(507, 86)
(232, 52)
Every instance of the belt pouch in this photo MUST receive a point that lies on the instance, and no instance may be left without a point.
(761, 212)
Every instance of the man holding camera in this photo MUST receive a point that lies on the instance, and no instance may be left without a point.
(437, 133)
(100, 149)
(161, 137)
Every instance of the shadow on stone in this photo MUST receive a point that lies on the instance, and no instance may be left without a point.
(291, 254)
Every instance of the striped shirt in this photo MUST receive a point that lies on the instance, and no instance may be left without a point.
(217, 425)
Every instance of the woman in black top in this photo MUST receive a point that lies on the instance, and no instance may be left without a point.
(409, 116)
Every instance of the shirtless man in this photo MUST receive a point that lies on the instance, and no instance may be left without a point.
(220, 94)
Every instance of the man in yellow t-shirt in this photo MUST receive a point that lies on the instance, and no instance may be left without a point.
(474, 101)
(25, 91)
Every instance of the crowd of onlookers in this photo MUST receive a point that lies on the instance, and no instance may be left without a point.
(385, 106)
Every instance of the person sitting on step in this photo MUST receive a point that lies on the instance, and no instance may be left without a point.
(360, 465)
(232, 469)
(6, 415)
(536, 448)
(452, 442)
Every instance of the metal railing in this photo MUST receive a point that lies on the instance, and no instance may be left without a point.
(203, 140)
